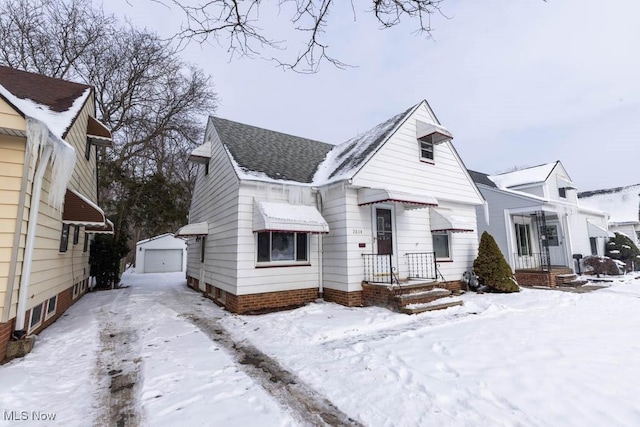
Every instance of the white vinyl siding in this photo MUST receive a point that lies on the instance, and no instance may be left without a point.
(215, 200)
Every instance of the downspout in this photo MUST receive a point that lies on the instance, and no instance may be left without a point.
(34, 212)
(569, 249)
(320, 251)
(16, 237)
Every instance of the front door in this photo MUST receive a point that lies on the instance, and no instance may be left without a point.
(556, 245)
(384, 233)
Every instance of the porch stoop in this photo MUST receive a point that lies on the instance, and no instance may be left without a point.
(410, 297)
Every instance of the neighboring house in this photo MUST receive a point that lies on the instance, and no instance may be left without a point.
(48, 193)
(540, 227)
(623, 206)
(278, 220)
(161, 254)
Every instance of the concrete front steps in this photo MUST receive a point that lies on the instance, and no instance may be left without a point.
(412, 297)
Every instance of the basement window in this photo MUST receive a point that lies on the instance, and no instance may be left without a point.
(52, 304)
(76, 291)
(36, 317)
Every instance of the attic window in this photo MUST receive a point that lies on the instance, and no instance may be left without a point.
(562, 192)
(426, 150)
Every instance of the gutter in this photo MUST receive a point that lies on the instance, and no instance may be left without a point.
(34, 212)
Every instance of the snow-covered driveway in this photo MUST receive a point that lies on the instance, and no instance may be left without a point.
(157, 353)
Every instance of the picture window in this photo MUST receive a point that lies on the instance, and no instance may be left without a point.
(282, 247)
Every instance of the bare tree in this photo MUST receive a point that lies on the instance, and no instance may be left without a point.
(236, 24)
(153, 102)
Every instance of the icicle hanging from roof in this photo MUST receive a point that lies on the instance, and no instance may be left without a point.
(63, 159)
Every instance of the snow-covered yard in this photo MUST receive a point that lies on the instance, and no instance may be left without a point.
(540, 357)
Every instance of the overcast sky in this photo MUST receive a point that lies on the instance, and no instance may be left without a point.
(517, 82)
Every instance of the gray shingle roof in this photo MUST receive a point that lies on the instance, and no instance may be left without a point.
(353, 153)
(481, 178)
(278, 155)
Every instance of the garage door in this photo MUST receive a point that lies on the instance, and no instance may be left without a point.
(162, 260)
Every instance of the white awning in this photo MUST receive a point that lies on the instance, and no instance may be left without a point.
(196, 229)
(432, 132)
(368, 196)
(201, 154)
(443, 219)
(270, 216)
(597, 231)
(565, 183)
(106, 228)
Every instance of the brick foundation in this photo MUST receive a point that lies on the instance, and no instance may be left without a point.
(349, 299)
(5, 335)
(540, 278)
(65, 300)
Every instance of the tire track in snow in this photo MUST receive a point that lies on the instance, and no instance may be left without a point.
(307, 406)
(119, 365)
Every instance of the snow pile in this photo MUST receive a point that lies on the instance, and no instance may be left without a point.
(539, 357)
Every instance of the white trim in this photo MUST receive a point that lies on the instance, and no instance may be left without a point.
(33, 327)
(449, 238)
(287, 262)
(48, 315)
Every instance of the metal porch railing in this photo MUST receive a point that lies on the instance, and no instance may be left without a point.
(378, 268)
(422, 265)
(533, 261)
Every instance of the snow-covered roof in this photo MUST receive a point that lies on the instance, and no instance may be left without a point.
(347, 158)
(201, 154)
(54, 102)
(270, 216)
(532, 175)
(264, 155)
(622, 203)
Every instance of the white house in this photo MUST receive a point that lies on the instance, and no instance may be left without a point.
(278, 220)
(623, 206)
(537, 222)
(161, 254)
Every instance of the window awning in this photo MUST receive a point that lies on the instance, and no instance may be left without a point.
(597, 231)
(79, 210)
(443, 219)
(196, 229)
(270, 216)
(98, 134)
(565, 183)
(432, 132)
(201, 154)
(368, 196)
(105, 228)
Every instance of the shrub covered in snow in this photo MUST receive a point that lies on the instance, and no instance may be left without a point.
(622, 248)
(602, 265)
(491, 267)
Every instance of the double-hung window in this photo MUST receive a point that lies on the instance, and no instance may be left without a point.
(278, 247)
(441, 245)
(426, 149)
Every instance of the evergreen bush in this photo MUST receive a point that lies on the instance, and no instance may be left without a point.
(104, 259)
(491, 267)
(622, 248)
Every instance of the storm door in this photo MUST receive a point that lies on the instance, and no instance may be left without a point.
(384, 233)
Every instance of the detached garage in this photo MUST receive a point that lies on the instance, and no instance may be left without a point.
(161, 254)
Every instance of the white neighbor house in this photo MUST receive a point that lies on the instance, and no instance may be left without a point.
(622, 203)
(536, 220)
(161, 254)
(278, 220)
